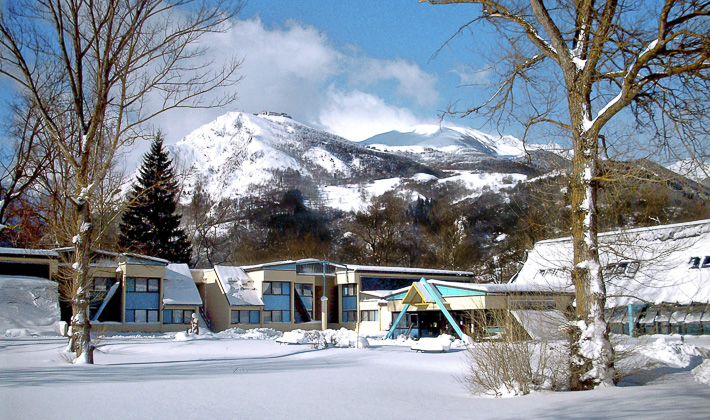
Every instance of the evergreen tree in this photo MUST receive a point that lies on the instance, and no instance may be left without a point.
(150, 225)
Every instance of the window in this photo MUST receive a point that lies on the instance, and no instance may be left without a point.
(277, 316)
(538, 304)
(152, 316)
(349, 290)
(142, 316)
(694, 262)
(625, 268)
(245, 317)
(142, 285)
(153, 285)
(632, 268)
(102, 284)
(177, 316)
(349, 316)
(369, 315)
(304, 290)
(276, 288)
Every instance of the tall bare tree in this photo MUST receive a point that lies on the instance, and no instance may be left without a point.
(97, 72)
(576, 65)
(23, 164)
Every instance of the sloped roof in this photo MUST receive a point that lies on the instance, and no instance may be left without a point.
(663, 273)
(238, 286)
(179, 288)
(28, 252)
(494, 288)
(407, 270)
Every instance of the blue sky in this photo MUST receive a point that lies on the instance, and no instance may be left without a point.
(353, 68)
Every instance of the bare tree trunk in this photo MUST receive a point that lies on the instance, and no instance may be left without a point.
(591, 355)
(81, 324)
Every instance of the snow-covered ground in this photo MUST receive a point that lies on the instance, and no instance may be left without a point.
(248, 374)
(238, 374)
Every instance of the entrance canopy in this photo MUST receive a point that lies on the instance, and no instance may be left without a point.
(422, 293)
(418, 295)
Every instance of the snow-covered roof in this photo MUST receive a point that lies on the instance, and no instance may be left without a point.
(407, 270)
(661, 264)
(178, 286)
(238, 286)
(129, 257)
(26, 252)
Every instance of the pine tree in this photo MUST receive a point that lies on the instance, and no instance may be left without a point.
(150, 224)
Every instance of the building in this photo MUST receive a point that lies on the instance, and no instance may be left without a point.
(657, 278)
(129, 292)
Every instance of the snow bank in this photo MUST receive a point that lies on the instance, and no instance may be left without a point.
(675, 354)
(28, 306)
(292, 337)
(438, 344)
(702, 372)
(252, 334)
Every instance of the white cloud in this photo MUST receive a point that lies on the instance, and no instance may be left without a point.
(470, 76)
(295, 69)
(412, 81)
(357, 115)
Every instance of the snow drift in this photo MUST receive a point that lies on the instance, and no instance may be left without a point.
(28, 306)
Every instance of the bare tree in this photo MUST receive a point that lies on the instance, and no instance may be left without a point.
(578, 64)
(24, 164)
(95, 72)
(380, 229)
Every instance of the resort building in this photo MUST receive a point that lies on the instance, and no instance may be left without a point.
(657, 280)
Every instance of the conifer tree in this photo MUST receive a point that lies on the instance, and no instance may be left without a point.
(150, 224)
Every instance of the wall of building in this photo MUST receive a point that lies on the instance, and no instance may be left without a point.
(216, 304)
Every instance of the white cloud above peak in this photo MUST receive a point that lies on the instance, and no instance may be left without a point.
(358, 115)
(294, 68)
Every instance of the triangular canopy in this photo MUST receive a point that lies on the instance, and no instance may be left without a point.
(418, 295)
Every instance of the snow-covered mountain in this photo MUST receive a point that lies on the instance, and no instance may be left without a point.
(241, 155)
(431, 141)
(239, 152)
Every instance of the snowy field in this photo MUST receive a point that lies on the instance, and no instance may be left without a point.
(236, 375)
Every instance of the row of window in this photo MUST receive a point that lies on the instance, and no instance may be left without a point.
(695, 262)
(276, 316)
(142, 316)
(142, 285)
(365, 315)
(245, 317)
(284, 288)
(177, 316)
(304, 290)
(277, 288)
(625, 268)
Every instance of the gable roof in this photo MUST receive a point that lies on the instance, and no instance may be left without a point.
(653, 264)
